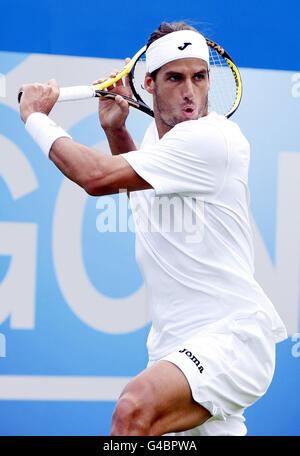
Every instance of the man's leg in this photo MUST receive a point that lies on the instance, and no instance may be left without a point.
(156, 402)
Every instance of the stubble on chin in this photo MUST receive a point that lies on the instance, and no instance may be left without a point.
(170, 121)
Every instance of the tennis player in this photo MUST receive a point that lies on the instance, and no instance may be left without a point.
(212, 341)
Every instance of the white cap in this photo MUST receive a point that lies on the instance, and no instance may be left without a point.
(174, 46)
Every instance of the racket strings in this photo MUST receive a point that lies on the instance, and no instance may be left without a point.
(223, 90)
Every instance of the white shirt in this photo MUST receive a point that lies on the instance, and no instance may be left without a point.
(193, 238)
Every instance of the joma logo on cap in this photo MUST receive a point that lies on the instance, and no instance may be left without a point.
(185, 45)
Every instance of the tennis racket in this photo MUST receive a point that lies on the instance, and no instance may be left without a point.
(225, 84)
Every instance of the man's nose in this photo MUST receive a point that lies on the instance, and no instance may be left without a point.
(188, 89)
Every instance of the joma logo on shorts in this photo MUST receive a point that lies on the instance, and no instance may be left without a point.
(192, 358)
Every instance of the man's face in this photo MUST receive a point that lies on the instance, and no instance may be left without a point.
(180, 92)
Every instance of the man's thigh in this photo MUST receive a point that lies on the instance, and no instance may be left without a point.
(157, 401)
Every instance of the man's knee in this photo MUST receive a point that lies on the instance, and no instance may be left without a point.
(129, 417)
(134, 411)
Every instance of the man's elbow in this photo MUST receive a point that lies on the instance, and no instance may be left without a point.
(101, 178)
(92, 188)
(98, 187)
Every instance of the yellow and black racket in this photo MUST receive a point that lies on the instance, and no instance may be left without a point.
(226, 88)
(225, 84)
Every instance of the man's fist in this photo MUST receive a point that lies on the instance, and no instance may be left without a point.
(38, 98)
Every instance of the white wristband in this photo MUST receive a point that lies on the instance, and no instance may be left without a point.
(44, 131)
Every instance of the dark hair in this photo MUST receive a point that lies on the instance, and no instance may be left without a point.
(164, 29)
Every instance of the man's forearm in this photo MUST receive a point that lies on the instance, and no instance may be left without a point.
(119, 141)
(79, 163)
(97, 173)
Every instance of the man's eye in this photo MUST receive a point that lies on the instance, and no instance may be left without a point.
(174, 77)
(199, 76)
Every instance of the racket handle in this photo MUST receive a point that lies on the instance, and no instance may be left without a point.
(72, 93)
(76, 93)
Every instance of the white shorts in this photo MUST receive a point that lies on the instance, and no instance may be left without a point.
(229, 366)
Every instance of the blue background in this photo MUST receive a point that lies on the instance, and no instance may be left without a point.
(258, 34)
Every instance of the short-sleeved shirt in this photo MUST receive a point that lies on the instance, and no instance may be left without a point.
(194, 243)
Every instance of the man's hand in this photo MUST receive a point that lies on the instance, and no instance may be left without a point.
(38, 98)
(113, 113)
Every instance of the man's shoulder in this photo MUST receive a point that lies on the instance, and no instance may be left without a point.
(211, 121)
(214, 131)
(206, 128)
(229, 128)
(218, 121)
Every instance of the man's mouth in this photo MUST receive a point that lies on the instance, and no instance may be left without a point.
(188, 110)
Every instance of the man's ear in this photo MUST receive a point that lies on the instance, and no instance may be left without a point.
(149, 83)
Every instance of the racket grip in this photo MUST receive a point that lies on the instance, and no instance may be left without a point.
(76, 93)
(72, 93)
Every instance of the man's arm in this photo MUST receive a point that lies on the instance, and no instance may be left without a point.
(119, 140)
(113, 115)
(97, 173)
